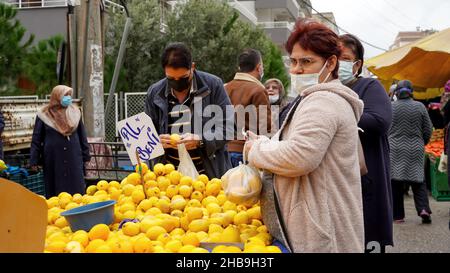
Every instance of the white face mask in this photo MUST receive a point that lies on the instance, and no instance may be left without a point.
(274, 98)
(300, 82)
(346, 71)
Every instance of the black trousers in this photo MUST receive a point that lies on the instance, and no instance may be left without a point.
(420, 194)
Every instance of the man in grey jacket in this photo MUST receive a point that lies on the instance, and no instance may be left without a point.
(177, 104)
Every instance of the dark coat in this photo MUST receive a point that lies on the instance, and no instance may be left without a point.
(2, 126)
(376, 185)
(62, 158)
(210, 91)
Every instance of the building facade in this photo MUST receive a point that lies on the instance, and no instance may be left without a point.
(407, 37)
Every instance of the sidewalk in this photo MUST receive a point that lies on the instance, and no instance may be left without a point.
(415, 237)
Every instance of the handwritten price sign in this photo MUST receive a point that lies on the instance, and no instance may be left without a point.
(139, 135)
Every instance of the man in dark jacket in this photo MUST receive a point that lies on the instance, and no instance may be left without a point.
(177, 104)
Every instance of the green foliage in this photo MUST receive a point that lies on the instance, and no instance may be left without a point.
(13, 49)
(145, 43)
(40, 65)
(211, 29)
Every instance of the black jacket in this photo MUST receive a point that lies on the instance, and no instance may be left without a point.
(210, 91)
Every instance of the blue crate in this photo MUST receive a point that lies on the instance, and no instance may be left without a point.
(34, 182)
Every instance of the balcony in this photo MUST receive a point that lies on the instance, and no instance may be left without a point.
(245, 13)
(24, 4)
(278, 31)
(289, 9)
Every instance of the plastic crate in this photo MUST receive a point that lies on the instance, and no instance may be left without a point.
(34, 182)
(439, 183)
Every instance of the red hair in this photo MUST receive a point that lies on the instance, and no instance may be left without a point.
(315, 36)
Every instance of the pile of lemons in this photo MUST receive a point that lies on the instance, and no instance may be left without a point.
(173, 214)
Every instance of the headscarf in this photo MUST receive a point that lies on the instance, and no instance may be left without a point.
(404, 89)
(446, 96)
(63, 119)
(282, 91)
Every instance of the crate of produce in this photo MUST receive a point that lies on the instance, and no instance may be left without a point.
(439, 182)
(33, 182)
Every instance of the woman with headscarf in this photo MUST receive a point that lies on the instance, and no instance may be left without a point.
(277, 97)
(410, 132)
(59, 144)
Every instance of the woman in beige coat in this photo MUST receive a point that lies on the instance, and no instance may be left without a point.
(314, 203)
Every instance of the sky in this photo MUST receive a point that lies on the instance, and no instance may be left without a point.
(379, 21)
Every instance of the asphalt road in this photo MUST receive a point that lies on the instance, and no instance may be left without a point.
(415, 237)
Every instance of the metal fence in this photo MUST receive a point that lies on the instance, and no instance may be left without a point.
(22, 4)
(35, 97)
(134, 103)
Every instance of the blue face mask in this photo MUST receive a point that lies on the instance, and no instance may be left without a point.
(346, 71)
(66, 101)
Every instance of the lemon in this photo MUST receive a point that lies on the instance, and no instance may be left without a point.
(173, 245)
(100, 231)
(154, 232)
(262, 229)
(273, 249)
(134, 179)
(128, 189)
(73, 247)
(171, 191)
(199, 225)
(102, 185)
(178, 204)
(194, 203)
(191, 239)
(163, 205)
(213, 208)
(77, 198)
(137, 196)
(149, 175)
(159, 169)
(54, 201)
(233, 249)
(199, 250)
(145, 205)
(126, 207)
(185, 191)
(199, 186)
(203, 178)
(154, 211)
(194, 213)
(230, 235)
(168, 168)
(215, 228)
(175, 177)
(164, 238)
(186, 249)
(153, 192)
(56, 246)
(222, 198)
(254, 213)
(150, 184)
(143, 245)
(65, 195)
(186, 180)
(174, 138)
(131, 229)
(163, 183)
(94, 244)
(255, 249)
(63, 201)
(61, 222)
(170, 224)
(144, 168)
(212, 189)
(241, 208)
(197, 196)
(220, 249)
(241, 218)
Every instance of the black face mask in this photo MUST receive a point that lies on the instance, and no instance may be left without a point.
(179, 85)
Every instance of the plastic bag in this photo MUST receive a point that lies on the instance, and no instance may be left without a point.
(186, 166)
(443, 163)
(242, 185)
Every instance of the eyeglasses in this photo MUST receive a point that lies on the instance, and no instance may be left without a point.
(304, 62)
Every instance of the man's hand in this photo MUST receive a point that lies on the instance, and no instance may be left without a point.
(166, 142)
(191, 141)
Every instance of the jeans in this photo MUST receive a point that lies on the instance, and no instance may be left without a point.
(235, 158)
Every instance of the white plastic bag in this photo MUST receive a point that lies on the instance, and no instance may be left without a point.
(242, 185)
(443, 163)
(186, 166)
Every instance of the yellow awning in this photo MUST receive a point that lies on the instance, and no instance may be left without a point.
(426, 62)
